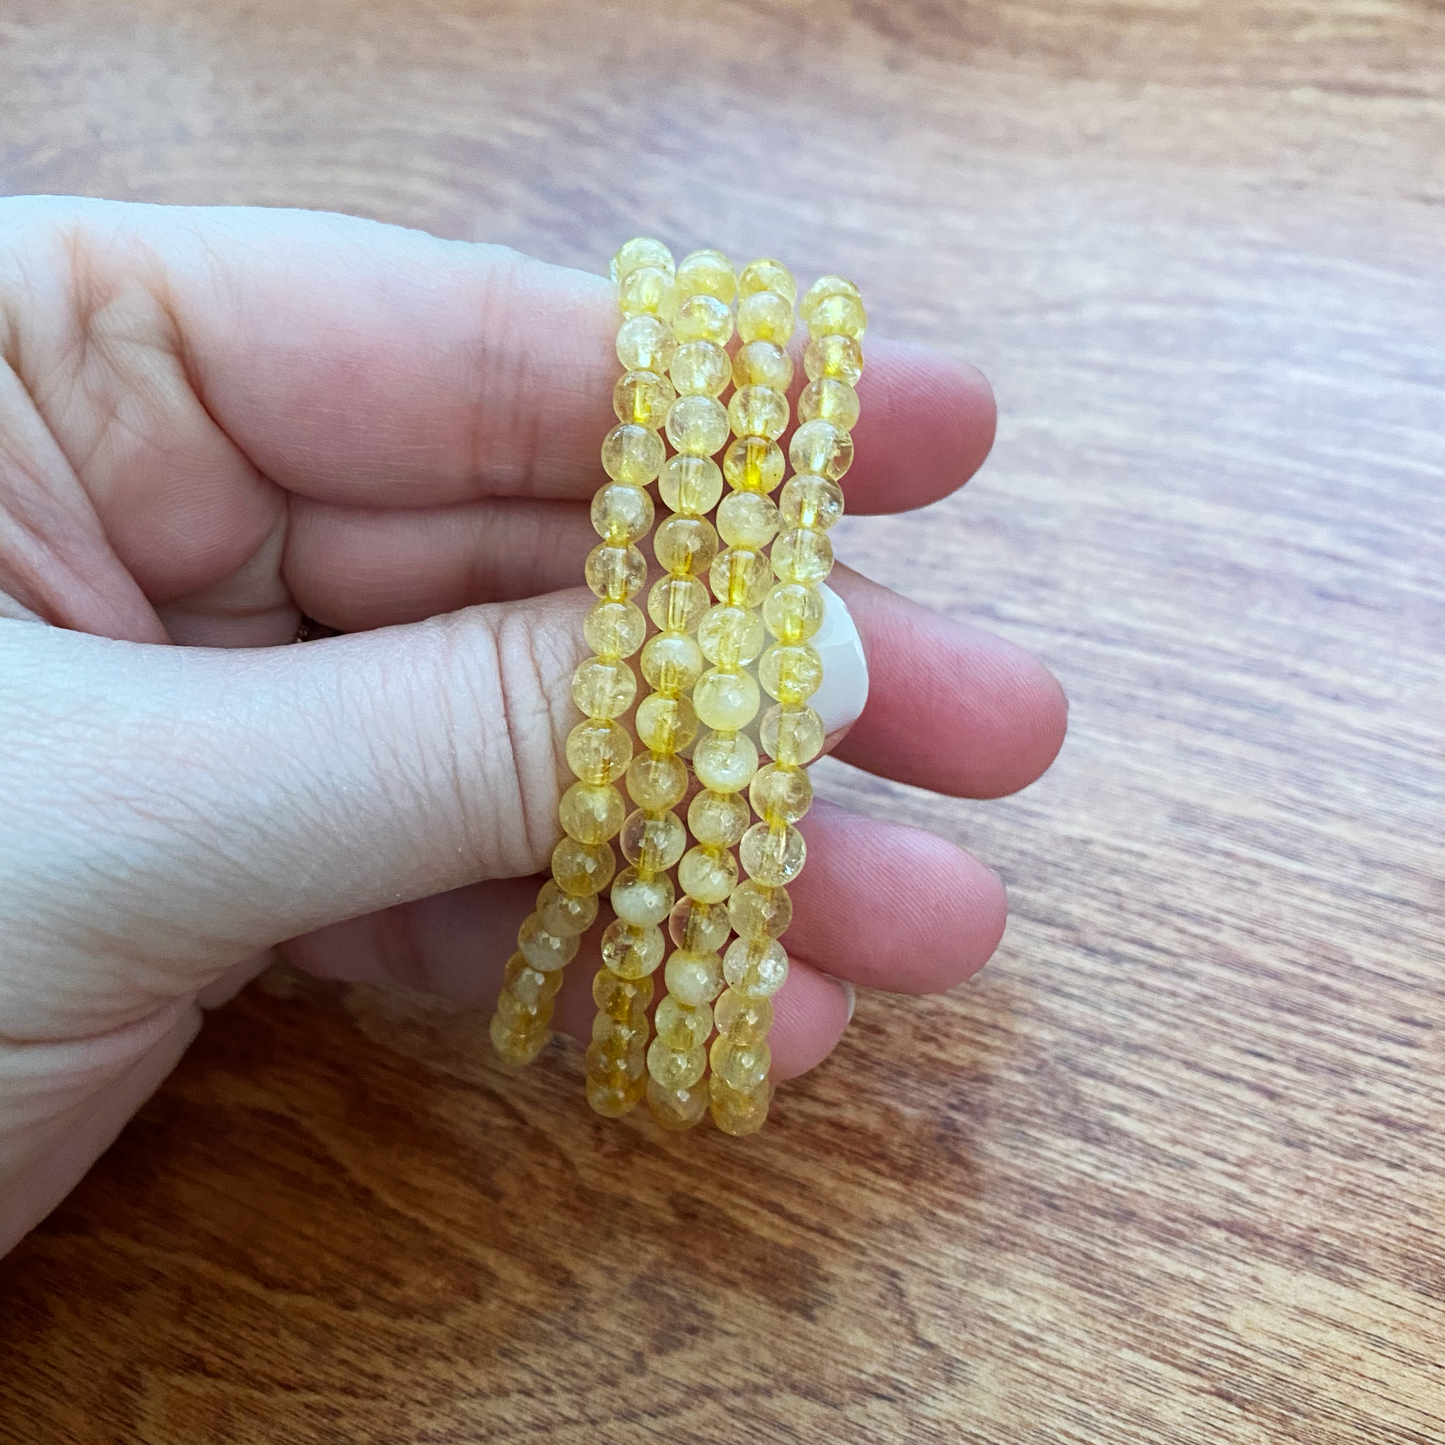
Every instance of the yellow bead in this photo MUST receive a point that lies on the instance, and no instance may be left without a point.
(760, 363)
(793, 612)
(681, 1026)
(820, 447)
(580, 868)
(632, 454)
(754, 464)
(614, 629)
(747, 519)
(697, 926)
(615, 573)
(759, 912)
(718, 819)
(641, 251)
(791, 735)
(619, 1059)
(736, 1113)
(694, 978)
(666, 724)
(757, 968)
(707, 273)
(837, 356)
(838, 316)
(642, 397)
(744, 1018)
(766, 275)
(614, 1101)
(516, 1048)
(645, 343)
(621, 998)
(603, 689)
(531, 985)
(523, 1017)
(657, 781)
(676, 603)
(781, 794)
(653, 841)
(772, 854)
(790, 672)
(708, 875)
(758, 411)
(685, 545)
(591, 814)
(701, 368)
(621, 1038)
(697, 425)
(724, 699)
(672, 662)
(677, 1109)
(621, 513)
(739, 577)
(742, 1066)
(544, 951)
(598, 751)
(820, 290)
(808, 501)
(803, 555)
(725, 762)
(730, 637)
(832, 400)
(631, 951)
(563, 914)
(703, 318)
(690, 485)
(648, 291)
(765, 316)
(674, 1069)
(642, 901)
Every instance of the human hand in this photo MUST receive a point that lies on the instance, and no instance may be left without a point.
(212, 420)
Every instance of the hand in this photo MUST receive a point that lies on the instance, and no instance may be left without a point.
(212, 420)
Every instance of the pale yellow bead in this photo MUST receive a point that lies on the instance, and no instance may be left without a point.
(591, 813)
(603, 689)
(614, 629)
(744, 1067)
(808, 501)
(621, 513)
(840, 357)
(793, 612)
(631, 951)
(791, 672)
(791, 735)
(677, 1109)
(730, 636)
(707, 273)
(653, 842)
(544, 951)
(708, 875)
(802, 554)
(760, 363)
(632, 453)
(718, 819)
(765, 316)
(725, 762)
(781, 794)
(768, 275)
(698, 425)
(563, 914)
(621, 998)
(820, 290)
(701, 368)
(657, 781)
(598, 750)
(520, 1048)
(694, 978)
(675, 604)
(645, 343)
(641, 251)
(772, 854)
(642, 397)
(759, 912)
(747, 519)
(621, 1038)
(838, 316)
(756, 969)
(672, 662)
(616, 1100)
(744, 1018)
(673, 1068)
(739, 577)
(724, 699)
(531, 985)
(685, 545)
(523, 1016)
(820, 447)
(690, 485)
(703, 318)
(697, 926)
(642, 901)
(616, 573)
(648, 291)
(666, 724)
(682, 1026)
(758, 411)
(754, 464)
(736, 1113)
(832, 400)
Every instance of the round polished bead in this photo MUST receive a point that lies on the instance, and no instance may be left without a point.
(791, 735)
(707, 273)
(838, 316)
(837, 356)
(656, 781)
(735, 1113)
(718, 819)
(697, 926)
(614, 629)
(820, 447)
(675, 604)
(725, 699)
(758, 411)
(641, 251)
(521, 1015)
(759, 911)
(802, 555)
(725, 762)
(533, 986)
(621, 998)
(772, 855)
(653, 842)
(747, 519)
(708, 875)
(622, 1037)
(616, 1100)
(703, 318)
(765, 316)
(754, 464)
(582, 868)
(793, 612)
(562, 913)
(518, 1047)
(619, 1058)
(694, 978)
(641, 901)
(755, 969)
(685, 545)
(742, 1066)
(743, 1017)
(675, 1069)
(666, 724)
(647, 291)
(672, 662)
(781, 794)
(767, 275)
(591, 813)
(820, 290)
(739, 577)
(690, 485)
(832, 400)
(632, 454)
(677, 1109)
(603, 689)
(730, 636)
(615, 573)
(645, 343)
(682, 1026)
(544, 951)
(598, 750)
(808, 501)
(642, 397)
(791, 672)
(760, 363)
(698, 425)
(631, 951)
(701, 368)
(621, 513)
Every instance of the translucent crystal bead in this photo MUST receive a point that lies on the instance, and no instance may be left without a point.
(737, 1113)
(821, 447)
(766, 275)
(642, 397)
(698, 425)
(615, 573)
(791, 735)
(747, 519)
(718, 819)
(617, 1056)
(701, 368)
(820, 290)
(838, 316)
(523, 1016)
(765, 316)
(645, 343)
(743, 1066)
(642, 901)
(723, 698)
(772, 854)
(657, 781)
(781, 794)
(808, 501)
(760, 363)
(758, 911)
(758, 411)
(615, 1100)
(685, 544)
(677, 1108)
(632, 454)
(725, 762)
(755, 969)
(591, 813)
(653, 841)
(730, 637)
(694, 978)
(739, 577)
(792, 612)
(697, 926)
(790, 672)
(562, 913)
(622, 1038)
(744, 1018)
(603, 689)
(598, 751)
(621, 998)
(675, 604)
(630, 950)
(673, 1069)
(840, 357)
(532, 985)
(649, 291)
(515, 1047)
(641, 251)
(703, 318)
(672, 662)
(708, 875)
(754, 464)
(802, 554)
(614, 629)
(582, 868)
(833, 400)
(666, 724)
(690, 485)
(707, 273)
(544, 951)
(681, 1026)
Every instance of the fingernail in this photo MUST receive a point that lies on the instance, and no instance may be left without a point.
(850, 994)
(839, 701)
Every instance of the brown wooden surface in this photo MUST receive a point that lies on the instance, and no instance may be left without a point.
(1170, 1170)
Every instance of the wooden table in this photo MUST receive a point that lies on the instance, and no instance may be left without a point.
(1170, 1170)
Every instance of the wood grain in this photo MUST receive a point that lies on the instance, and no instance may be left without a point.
(1170, 1170)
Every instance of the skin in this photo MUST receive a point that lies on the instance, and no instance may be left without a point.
(212, 420)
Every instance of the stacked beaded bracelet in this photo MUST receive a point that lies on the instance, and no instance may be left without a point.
(677, 322)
